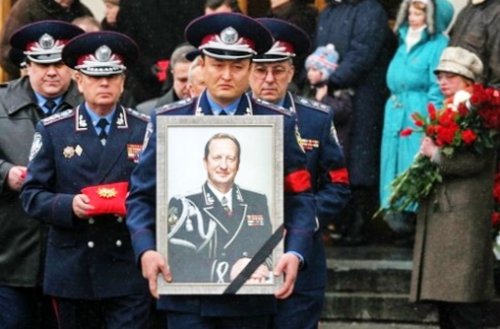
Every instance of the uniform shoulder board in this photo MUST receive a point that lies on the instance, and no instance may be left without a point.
(175, 105)
(312, 104)
(4, 85)
(58, 117)
(272, 106)
(137, 114)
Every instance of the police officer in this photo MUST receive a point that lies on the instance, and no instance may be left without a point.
(47, 89)
(227, 43)
(78, 173)
(269, 79)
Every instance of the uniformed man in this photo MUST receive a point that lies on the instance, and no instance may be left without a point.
(270, 76)
(47, 89)
(227, 43)
(78, 173)
(236, 222)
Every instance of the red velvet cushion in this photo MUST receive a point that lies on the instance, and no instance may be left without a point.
(107, 198)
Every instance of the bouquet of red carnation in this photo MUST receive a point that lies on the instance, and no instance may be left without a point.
(470, 121)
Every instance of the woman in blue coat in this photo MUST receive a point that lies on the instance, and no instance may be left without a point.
(420, 26)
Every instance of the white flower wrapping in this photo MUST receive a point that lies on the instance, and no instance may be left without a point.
(460, 97)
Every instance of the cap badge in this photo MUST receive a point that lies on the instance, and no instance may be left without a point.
(229, 36)
(103, 53)
(46, 41)
(107, 193)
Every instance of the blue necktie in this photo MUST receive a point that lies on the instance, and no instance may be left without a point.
(49, 105)
(102, 123)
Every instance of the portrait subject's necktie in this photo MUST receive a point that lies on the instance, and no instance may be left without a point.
(225, 205)
(102, 123)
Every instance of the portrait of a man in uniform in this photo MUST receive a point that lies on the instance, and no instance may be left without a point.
(215, 232)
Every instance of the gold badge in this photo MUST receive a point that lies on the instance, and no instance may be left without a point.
(78, 150)
(69, 152)
(107, 193)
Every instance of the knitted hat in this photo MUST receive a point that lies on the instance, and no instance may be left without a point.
(324, 59)
(460, 61)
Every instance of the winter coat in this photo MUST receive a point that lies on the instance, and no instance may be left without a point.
(30, 11)
(452, 257)
(413, 85)
(477, 28)
(22, 238)
(361, 35)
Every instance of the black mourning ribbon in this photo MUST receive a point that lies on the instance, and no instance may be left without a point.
(258, 259)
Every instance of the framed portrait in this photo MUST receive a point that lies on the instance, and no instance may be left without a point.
(220, 203)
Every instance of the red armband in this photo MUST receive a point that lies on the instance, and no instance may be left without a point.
(339, 176)
(298, 181)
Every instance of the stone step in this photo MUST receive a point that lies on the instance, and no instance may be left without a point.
(373, 325)
(386, 307)
(376, 276)
(377, 325)
(370, 284)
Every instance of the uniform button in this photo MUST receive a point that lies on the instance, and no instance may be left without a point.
(223, 254)
(245, 254)
(119, 219)
(91, 220)
(90, 244)
(118, 243)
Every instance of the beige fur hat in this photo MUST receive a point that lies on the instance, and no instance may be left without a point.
(460, 61)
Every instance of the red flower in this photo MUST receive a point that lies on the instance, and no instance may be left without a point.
(446, 118)
(432, 111)
(469, 136)
(496, 188)
(431, 130)
(446, 135)
(495, 219)
(406, 132)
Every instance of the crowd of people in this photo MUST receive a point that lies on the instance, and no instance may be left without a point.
(79, 153)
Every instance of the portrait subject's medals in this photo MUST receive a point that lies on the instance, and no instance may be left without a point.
(255, 220)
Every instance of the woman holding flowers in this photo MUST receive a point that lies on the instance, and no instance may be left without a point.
(453, 259)
(420, 26)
